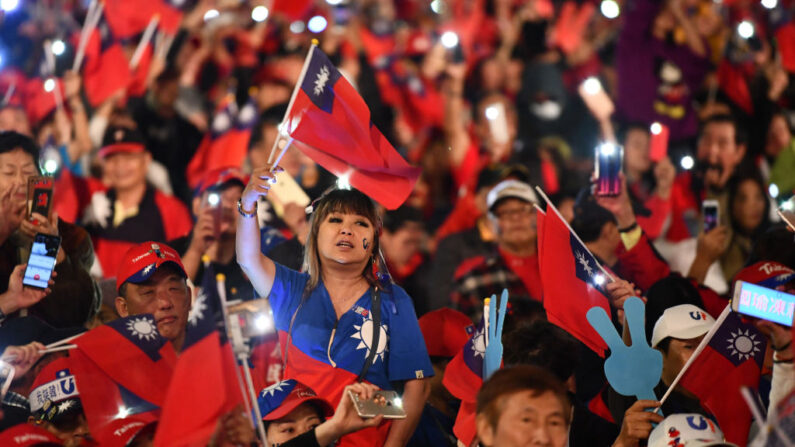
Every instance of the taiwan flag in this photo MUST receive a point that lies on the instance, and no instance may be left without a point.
(731, 359)
(571, 279)
(122, 368)
(106, 69)
(204, 386)
(226, 143)
(463, 378)
(330, 123)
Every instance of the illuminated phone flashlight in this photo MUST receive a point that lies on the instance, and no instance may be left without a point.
(687, 162)
(773, 190)
(656, 128)
(398, 402)
(9, 5)
(49, 85)
(259, 13)
(599, 279)
(317, 24)
(787, 206)
(213, 199)
(592, 86)
(745, 29)
(492, 113)
(263, 323)
(449, 39)
(609, 9)
(343, 181)
(211, 14)
(607, 149)
(58, 47)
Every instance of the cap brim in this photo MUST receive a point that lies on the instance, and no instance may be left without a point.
(285, 409)
(111, 149)
(147, 272)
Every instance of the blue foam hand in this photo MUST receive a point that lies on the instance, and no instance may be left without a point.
(631, 370)
(493, 356)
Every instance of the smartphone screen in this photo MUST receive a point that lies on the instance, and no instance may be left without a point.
(498, 123)
(383, 402)
(254, 317)
(710, 210)
(40, 195)
(761, 302)
(608, 163)
(658, 143)
(41, 260)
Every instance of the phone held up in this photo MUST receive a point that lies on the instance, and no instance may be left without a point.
(383, 402)
(608, 163)
(760, 302)
(710, 209)
(40, 190)
(41, 261)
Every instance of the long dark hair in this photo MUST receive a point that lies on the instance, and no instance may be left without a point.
(734, 187)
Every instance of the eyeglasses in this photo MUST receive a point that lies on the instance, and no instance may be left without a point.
(510, 213)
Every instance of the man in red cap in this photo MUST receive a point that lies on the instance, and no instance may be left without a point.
(130, 211)
(152, 280)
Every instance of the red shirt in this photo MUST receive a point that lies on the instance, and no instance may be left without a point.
(526, 268)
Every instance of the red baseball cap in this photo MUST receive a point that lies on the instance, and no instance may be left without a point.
(279, 399)
(121, 432)
(24, 435)
(445, 331)
(218, 178)
(766, 274)
(142, 261)
(53, 386)
(121, 139)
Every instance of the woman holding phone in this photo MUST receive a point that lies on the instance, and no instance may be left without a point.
(338, 322)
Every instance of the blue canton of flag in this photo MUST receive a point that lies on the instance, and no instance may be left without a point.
(141, 331)
(475, 349)
(206, 311)
(586, 266)
(319, 80)
(738, 341)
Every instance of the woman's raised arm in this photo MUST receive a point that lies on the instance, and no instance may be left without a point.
(258, 267)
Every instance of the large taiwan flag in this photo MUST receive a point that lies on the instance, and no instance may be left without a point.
(571, 279)
(330, 123)
(122, 368)
(732, 359)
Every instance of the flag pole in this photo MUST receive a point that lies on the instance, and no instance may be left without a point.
(9, 93)
(50, 58)
(60, 342)
(550, 205)
(297, 87)
(698, 351)
(237, 342)
(147, 36)
(92, 19)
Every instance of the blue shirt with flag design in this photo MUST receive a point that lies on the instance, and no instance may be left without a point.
(401, 353)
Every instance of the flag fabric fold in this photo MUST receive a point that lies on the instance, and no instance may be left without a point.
(731, 359)
(106, 69)
(463, 378)
(330, 123)
(571, 279)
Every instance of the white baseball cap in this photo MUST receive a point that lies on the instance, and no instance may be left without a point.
(511, 189)
(687, 430)
(684, 321)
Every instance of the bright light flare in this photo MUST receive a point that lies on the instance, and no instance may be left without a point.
(263, 323)
(745, 29)
(592, 86)
(599, 279)
(610, 9)
(656, 128)
(51, 166)
(58, 47)
(317, 24)
(492, 113)
(607, 149)
(213, 199)
(211, 14)
(770, 4)
(297, 27)
(259, 13)
(9, 5)
(343, 181)
(49, 85)
(788, 205)
(773, 190)
(449, 39)
(687, 162)
(437, 6)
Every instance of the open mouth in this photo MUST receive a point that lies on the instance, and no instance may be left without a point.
(344, 244)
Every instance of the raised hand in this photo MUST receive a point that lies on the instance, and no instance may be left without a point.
(493, 356)
(631, 370)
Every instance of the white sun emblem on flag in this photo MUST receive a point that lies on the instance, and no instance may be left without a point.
(743, 344)
(365, 336)
(271, 390)
(147, 269)
(197, 310)
(586, 265)
(321, 80)
(143, 328)
(65, 405)
(479, 343)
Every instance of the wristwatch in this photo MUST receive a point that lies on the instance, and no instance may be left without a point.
(245, 213)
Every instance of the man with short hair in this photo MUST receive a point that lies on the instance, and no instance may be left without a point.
(130, 211)
(514, 264)
(152, 280)
(523, 405)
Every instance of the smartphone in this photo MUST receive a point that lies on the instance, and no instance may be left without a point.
(40, 195)
(498, 123)
(253, 317)
(41, 261)
(6, 377)
(787, 212)
(763, 303)
(383, 402)
(286, 191)
(710, 209)
(608, 163)
(658, 143)
(212, 200)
